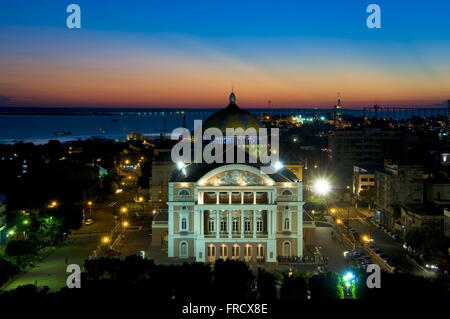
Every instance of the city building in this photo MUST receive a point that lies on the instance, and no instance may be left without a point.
(421, 215)
(159, 184)
(437, 191)
(338, 114)
(396, 186)
(295, 168)
(447, 222)
(364, 147)
(363, 179)
(135, 136)
(234, 210)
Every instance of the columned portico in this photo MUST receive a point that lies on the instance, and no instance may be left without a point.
(237, 212)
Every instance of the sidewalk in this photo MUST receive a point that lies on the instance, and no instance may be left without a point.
(51, 271)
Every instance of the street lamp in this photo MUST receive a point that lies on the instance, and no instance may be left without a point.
(321, 187)
(125, 224)
(106, 240)
(124, 209)
(90, 208)
(53, 204)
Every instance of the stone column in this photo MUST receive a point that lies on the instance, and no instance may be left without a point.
(229, 197)
(217, 247)
(242, 198)
(254, 224)
(202, 222)
(217, 223)
(254, 252)
(242, 224)
(217, 198)
(230, 224)
(254, 198)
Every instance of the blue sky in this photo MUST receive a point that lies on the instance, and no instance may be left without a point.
(272, 40)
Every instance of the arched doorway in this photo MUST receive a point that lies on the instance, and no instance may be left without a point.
(183, 249)
(286, 249)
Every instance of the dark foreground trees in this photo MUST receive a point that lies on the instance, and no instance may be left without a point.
(141, 282)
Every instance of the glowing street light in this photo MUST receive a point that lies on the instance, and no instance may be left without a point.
(90, 207)
(338, 221)
(127, 162)
(53, 204)
(321, 187)
(106, 239)
(124, 209)
(125, 224)
(366, 238)
(333, 210)
(278, 166)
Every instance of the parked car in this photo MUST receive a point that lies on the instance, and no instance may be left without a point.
(89, 221)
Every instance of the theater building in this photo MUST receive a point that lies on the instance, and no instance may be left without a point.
(234, 211)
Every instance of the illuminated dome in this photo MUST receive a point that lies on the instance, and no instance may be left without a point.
(232, 117)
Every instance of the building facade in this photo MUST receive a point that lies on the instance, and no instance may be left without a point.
(363, 179)
(234, 211)
(366, 147)
(420, 215)
(397, 185)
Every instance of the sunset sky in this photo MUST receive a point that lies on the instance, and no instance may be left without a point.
(169, 53)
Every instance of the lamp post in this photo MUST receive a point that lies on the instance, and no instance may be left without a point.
(322, 187)
(90, 208)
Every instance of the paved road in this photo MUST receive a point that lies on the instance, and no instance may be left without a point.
(135, 241)
(393, 249)
(331, 248)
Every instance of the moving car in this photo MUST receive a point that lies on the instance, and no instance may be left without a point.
(89, 221)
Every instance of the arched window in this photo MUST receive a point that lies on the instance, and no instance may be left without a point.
(287, 224)
(211, 225)
(184, 224)
(223, 224)
(184, 192)
(286, 192)
(235, 224)
(286, 249)
(259, 225)
(247, 224)
(183, 249)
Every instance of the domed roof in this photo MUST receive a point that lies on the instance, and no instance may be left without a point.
(232, 117)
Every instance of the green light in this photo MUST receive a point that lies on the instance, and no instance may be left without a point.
(25, 222)
(347, 284)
